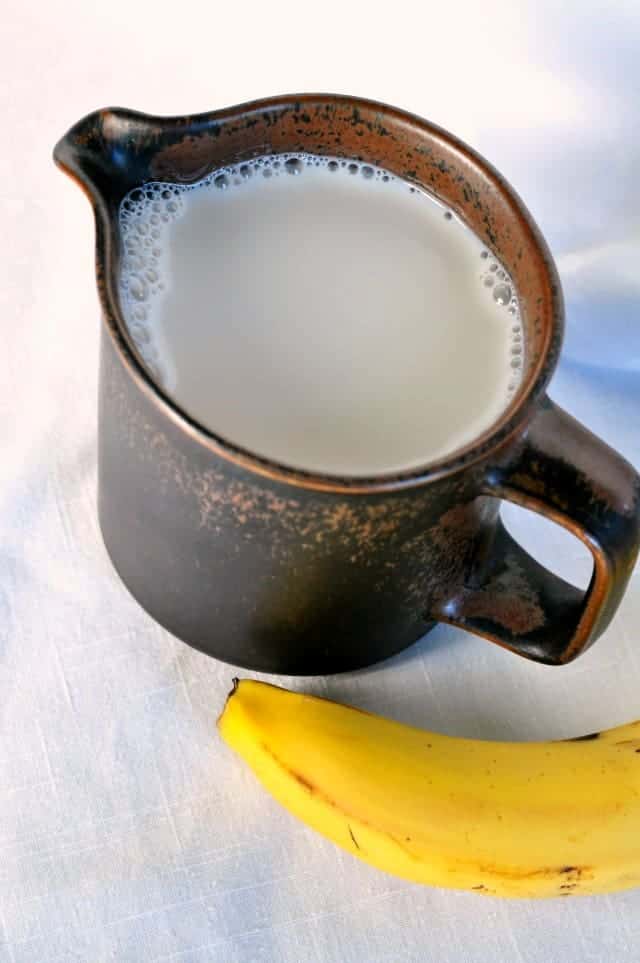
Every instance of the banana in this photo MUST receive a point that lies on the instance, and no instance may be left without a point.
(503, 819)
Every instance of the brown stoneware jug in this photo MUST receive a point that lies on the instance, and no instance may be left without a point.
(284, 571)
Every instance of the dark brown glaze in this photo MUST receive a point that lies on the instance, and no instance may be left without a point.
(286, 571)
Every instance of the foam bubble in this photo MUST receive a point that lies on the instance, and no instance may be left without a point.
(502, 292)
(138, 288)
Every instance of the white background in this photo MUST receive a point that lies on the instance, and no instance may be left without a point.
(128, 832)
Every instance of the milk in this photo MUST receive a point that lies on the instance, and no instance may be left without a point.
(320, 313)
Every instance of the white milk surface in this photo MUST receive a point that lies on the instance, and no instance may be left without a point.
(321, 313)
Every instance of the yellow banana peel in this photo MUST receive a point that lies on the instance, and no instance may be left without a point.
(503, 819)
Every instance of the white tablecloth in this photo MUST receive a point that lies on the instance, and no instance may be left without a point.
(128, 832)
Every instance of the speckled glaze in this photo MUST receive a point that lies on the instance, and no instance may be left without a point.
(291, 572)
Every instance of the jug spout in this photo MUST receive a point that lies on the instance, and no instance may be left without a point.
(113, 150)
(105, 152)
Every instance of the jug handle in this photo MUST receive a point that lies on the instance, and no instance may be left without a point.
(565, 473)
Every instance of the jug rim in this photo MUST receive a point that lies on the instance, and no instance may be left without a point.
(105, 184)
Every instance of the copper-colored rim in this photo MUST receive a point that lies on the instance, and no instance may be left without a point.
(511, 422)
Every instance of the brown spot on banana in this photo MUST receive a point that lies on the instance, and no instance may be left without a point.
(565, 873)
(303, 781)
